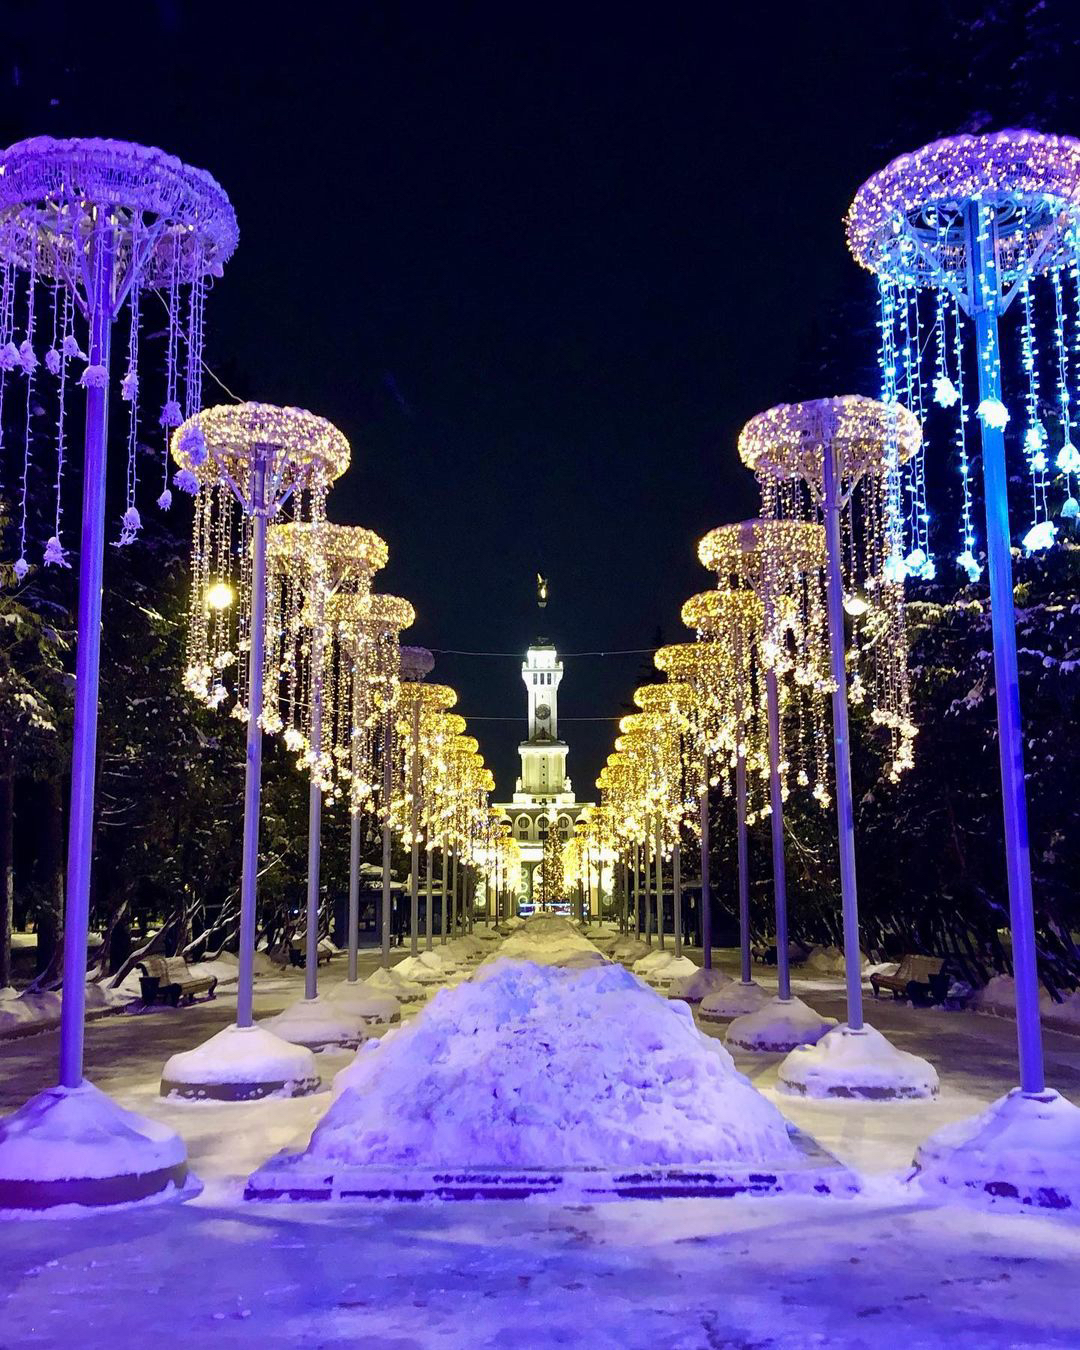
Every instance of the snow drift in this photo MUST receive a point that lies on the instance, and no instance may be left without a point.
(535, 1066)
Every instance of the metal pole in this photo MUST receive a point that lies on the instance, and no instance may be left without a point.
(428, 916)
(637, 889)
(442, 926)
(985, 290)
(647, 883)
(414, 832)
(454, 893)
(354, 892)
(706, 893)
(776, 800)
(845, 816)
(87, 665)
(245, 974)
(659, 861)
(311, 961)
(744, 867)
(676, 891)
(388, 770)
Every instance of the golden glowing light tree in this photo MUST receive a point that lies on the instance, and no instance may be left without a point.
(308, 564)
(678, 756)
(837, 460)
(782, 563)
(246, 462)
(418, 732)
(367, 636)
(731, 621)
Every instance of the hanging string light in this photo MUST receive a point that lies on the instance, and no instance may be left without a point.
(79, 216)
(870, 442)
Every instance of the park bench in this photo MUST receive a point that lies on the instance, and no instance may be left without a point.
(168, 979)
(922, 979)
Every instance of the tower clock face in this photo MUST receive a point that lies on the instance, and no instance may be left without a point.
(543, 712)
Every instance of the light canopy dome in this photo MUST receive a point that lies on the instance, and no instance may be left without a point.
(789, 441)
(293, 448)
(908, 220)
(47, 186)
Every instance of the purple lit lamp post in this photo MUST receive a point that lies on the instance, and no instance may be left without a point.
(973, 226)
(835, 456)
(244, 462)
(88, 224)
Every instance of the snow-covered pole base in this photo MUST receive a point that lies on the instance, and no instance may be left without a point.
(1022, 1150)
(75, 1146)
(388, 981)
(674, 968)
(371, 1007)
(240, 1064)
(693, 988)
(777, 1027)
(734, 999)
(856, 1064)
(317, 1024)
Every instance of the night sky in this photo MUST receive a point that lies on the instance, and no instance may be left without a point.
(539, 263)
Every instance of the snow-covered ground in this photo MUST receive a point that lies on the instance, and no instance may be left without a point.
(778, 1272)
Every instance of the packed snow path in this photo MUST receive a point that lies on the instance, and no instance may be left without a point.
(783, 1272)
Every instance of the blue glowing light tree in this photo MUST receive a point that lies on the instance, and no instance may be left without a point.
(837, 459)
(88, 229)
(959, 233)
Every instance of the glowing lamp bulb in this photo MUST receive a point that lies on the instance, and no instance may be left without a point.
(855, 605)
(220, 595)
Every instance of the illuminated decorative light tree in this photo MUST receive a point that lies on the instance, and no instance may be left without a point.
(732, 623)
(697, 665)
(417, 703)
(256, 457)
(841, 456)
(974, 223)
(308, 565)
(551, 867)
(681, 754)
(368, 630)
(88, 224)
(782, 562)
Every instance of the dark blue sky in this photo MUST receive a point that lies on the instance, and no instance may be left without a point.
(540, 263)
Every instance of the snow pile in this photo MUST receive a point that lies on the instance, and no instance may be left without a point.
(778, 1025)
(1022, 1149)
(998, 998)
(464, 948)
(64, 1134)
(654, 957)
(693, 988)
(830, 961)
(846, 1063)
(28, 1011)
(530, 1066)
(550, 940)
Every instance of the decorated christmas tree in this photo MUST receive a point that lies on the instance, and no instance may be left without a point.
(550, 890)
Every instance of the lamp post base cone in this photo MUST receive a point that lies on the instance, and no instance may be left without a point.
(734, 999)
(317, 1024)
(860, 1065)
(76, 1146)
(240, 1064)
(1022, 1151)
(371, 1007)
(777, 1027)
